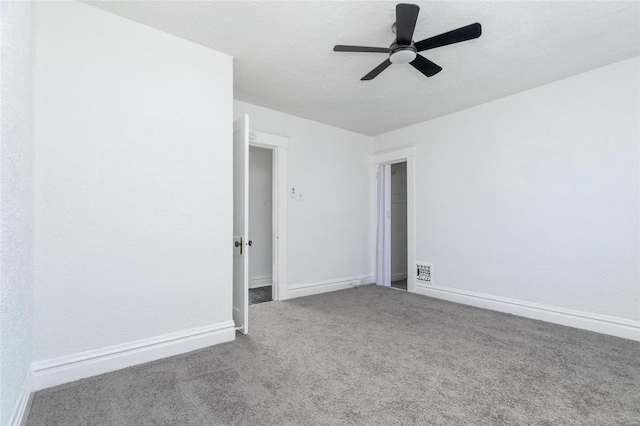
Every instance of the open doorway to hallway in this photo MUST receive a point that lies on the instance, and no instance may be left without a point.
(261, 225)
(399, 225)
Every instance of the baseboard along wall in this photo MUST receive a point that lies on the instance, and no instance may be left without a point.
(21, 410)
(256, 282)
(614, 326)
(397, 277)
(74, 367)
(317, 287)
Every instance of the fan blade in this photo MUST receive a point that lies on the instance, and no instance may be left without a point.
(425, 66)
(343, 48)
(377, 70)
(455, 36)
(406, 17)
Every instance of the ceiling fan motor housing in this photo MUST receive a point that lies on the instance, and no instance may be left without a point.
(402, 54)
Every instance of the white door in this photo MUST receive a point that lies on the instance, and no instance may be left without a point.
(241, 223)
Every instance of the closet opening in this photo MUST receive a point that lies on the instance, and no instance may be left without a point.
(394, 210)
(399, 225)
(261, 225)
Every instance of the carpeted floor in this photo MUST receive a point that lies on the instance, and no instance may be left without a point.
(370, 356)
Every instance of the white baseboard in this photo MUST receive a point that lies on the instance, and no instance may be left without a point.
(396, 277)
(21, 411)
(260, 281)
(614, 326)
(74, 367)
(317, 287)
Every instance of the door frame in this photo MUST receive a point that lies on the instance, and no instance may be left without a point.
(392, 157)
(278, 145)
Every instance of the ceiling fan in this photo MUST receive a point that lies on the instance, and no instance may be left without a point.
(404, 50)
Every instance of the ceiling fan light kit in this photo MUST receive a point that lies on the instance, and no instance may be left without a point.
(405, 51)
(403, 55)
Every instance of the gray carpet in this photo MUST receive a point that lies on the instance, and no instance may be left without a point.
(370, 356)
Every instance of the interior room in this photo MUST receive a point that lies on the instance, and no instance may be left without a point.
(319, 213)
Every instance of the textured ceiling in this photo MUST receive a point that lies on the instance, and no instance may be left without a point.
(284, 58)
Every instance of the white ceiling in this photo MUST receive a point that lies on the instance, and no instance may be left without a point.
(284, 58)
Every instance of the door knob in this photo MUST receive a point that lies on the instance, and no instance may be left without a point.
(250, 243)
(238, 244)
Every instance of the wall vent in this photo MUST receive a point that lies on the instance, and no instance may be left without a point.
(424, 273)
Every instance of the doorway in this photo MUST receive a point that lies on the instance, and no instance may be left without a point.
(398, 250)
(242, 245)
(261, 225)
(394, 214)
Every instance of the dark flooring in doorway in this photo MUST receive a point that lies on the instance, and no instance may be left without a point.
(260, 295)
(400, 284)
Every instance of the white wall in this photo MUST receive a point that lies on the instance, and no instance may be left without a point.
(535, 196)
(133, 182)
(398, 221)
(329, 237)
(260, 217)
(17, 63)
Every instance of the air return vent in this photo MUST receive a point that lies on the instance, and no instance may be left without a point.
(424, 273)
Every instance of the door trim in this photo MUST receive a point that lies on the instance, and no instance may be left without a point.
(392, 157)
(279, 146)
